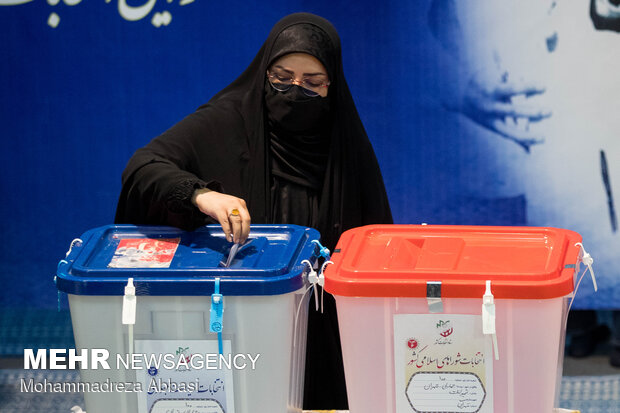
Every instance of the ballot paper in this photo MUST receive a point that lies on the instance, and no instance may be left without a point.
(231, 255)
(234, 250)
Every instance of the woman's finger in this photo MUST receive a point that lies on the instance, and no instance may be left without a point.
(245, 224)
(226, 227)
(234, 217)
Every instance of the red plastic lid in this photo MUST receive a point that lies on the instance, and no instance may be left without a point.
(399, 261)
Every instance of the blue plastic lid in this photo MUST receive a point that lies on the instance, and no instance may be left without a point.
(168, 261)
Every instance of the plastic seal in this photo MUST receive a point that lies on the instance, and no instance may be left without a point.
(317, 280)
(311, 276)
(321, 273)
(129, 303)
(76, 242)
(129, 311)
(488, 317)
(313, 279)
(587, 260)
(73, 243)
(216, 322)
(323, 251)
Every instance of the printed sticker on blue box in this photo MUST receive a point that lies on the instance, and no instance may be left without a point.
(144, 253)
(185, 375)
(443, 363)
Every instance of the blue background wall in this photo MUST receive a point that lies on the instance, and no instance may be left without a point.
(79, 98)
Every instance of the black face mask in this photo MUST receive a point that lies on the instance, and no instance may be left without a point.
(294, 112)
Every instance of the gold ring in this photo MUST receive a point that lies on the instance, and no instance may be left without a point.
(234, 212)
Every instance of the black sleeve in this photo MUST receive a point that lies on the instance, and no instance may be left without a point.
(375, 204)
(160, 178)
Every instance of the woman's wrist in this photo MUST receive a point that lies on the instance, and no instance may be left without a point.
(197, 192)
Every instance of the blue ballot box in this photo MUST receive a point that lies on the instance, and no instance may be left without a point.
(162, 323)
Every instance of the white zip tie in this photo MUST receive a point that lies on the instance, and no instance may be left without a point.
(129, 311)
(309, 264)
(488, 317)
(297, 315)
(75, 241)
(64, 261)
(588, 261)
(313, 279)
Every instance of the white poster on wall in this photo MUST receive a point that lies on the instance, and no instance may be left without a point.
(443, 363)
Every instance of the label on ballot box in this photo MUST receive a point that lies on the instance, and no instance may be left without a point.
(185, 375)
(443, 363)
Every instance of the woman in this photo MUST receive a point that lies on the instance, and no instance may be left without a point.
(282, 144)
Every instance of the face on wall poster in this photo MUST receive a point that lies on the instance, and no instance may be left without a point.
(517, 124)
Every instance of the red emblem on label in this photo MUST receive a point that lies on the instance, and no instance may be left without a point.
(446, 333)
(412, 343)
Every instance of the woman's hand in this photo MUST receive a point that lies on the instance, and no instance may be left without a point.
(230, 211)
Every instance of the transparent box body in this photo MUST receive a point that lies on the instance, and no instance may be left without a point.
(530, 336)
(256, 325)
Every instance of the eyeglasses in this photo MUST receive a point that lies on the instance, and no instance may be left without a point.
(282, 81)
